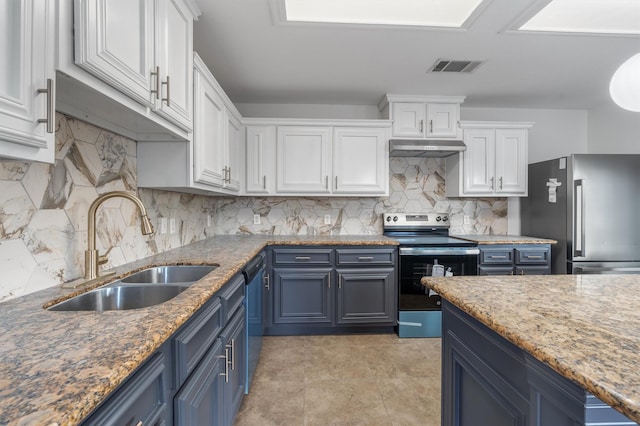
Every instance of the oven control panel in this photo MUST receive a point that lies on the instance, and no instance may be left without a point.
(418, 220)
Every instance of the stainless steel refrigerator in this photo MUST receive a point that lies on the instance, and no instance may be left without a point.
(590, 204)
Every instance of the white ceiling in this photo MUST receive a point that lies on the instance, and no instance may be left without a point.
(258, 61)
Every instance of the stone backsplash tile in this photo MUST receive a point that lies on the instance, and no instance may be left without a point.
(43, 209)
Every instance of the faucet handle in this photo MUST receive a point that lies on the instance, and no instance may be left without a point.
(104, 258)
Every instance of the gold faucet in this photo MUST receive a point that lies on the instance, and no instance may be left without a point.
(92, 259)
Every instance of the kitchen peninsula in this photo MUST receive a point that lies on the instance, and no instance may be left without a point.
(536, 350)
(57, 367)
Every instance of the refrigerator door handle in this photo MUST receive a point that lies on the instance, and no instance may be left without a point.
(579, 225)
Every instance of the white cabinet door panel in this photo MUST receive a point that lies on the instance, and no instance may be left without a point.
(442, 120)
(260, 159)
(209, 154)
(303, 159)
(27, 50)
(174, 56)
(360, 160)
(232, 151)
(511, 155)
(479, 161)
(115, 42)
(408, 119)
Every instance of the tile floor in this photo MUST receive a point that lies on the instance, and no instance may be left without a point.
(345, 380)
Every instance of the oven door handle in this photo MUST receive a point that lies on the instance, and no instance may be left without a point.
(452, 251)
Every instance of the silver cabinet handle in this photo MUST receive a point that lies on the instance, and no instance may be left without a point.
(233, 354)
(226, 364)
(264, 182)
(336, 179)
(500, 182)
(493, 187)
(157, 75)
(302, 258)
(139, 423)
(365, 258)
(421, 126)
(497, 257)
(326, 182)
(340, 282)
(533, 257)
(229, 174)
(168, 98)
(50, 106)
(266, 281)
(329, 281)
(430, 126)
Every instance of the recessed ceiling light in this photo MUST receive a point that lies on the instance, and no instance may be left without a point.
(593, 16)
(434, 13)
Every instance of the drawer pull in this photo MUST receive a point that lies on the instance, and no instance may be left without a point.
(233, 354)
(497, 257)
(139, 423)
(533, 257)
(226, 364)
(302, 258)
(366, 258)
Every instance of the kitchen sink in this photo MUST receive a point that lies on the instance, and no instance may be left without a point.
(170, 274)
(120, 297)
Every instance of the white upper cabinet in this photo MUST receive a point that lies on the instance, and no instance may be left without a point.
(143, 48)
(317, 157)
(232, 149)
(494, 164)
(260, 160)
(360, 160)
(27, 75)
(423, 117)
(303, 159)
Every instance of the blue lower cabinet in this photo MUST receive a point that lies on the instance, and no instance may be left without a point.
(420, 324)
(487, 380)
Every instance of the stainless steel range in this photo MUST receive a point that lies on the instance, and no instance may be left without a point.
(426, 249)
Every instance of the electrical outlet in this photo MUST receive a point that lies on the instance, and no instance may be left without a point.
(208, 220)
(256, 219)
(327, 219)
(163, 225)
(466, 220)
(172, 225)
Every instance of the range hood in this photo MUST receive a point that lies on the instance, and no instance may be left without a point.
(424, 148)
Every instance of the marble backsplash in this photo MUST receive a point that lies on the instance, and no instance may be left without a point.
(43, 209)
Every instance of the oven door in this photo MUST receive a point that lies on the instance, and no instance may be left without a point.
(417, 262)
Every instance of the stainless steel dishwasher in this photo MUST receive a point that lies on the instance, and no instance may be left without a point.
(254, 276)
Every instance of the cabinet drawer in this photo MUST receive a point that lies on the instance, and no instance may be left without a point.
(532, 256)
(194, 340)
(532, 270)
(141, 400)
(496, 256)
(495, 270)
(232, 297)
(365, 257)
(303, 257)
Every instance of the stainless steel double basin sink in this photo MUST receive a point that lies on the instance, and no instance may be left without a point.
(142, 289)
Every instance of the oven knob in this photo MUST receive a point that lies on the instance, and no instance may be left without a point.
(445, 218)
(438, 219)
(395, 218)
(388, 218)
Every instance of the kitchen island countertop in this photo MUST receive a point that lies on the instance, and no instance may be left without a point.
(504, 239)
(56, 367)
(585, 327)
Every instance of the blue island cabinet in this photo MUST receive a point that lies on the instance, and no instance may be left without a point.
(487, 380)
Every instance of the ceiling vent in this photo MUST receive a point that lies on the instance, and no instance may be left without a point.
(448, 65)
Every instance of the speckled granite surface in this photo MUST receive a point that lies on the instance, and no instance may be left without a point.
(505, 239)
(55, 367)
(585, 327)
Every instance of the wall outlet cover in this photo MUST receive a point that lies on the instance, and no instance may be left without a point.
(163, 225)
(256, 219)
(327, 219)
(172, 225)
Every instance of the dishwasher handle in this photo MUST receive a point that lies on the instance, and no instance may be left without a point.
(253, 268)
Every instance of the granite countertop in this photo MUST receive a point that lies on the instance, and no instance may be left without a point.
(504, 239)
(56, 367)
(585, 327)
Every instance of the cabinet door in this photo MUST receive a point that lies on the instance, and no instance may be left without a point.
(174, 57)
(208, 120)
(360, 160)
(114, 41)
(302, 295)
(442, 120)
(479, 161)
(303, 159)
(27, 51)
(366, 296)
(261, 141)
(232, 145)
(233, 337)
(511, 161)
(201, 399)
(408, 119)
